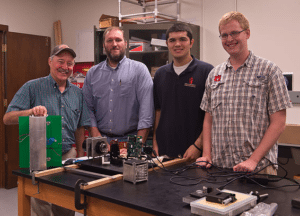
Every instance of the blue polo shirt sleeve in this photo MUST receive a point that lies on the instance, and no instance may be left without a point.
(21, 100)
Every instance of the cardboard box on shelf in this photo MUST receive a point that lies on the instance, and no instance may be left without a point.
(291, 134)
(106, 21)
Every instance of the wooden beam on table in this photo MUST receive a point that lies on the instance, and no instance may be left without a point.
(169, 163)
(103, 181)
(55, 170)
(107, 180)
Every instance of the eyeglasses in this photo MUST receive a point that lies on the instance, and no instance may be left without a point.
(233, 34)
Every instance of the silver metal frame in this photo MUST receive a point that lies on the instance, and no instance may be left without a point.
(37, 143)
(163, 17)
(136, 171)
(91, 145)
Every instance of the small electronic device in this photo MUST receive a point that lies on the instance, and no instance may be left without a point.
(115, 158)
(105, 159)
(201, 193)
(221, 197)
(114, 149)
(134, 146)
(295, 96)
(221, 203)
(135, 171)
(96, 146)
(197, 194)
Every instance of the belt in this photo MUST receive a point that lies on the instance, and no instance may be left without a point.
(115, 135)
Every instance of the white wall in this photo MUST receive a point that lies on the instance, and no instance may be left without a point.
(274, 23)
(82, 16)
(274, 26)
(30, 16)
(79, 16)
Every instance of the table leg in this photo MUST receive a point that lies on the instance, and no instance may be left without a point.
(23, 199)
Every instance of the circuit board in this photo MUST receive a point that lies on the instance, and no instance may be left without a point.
(134, 146)
(54, 141)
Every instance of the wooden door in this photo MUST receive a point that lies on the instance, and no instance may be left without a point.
(3, 31)
(27, 58)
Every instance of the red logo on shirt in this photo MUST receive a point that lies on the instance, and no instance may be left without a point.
(217, 78)
(191, 80)
(190, 84)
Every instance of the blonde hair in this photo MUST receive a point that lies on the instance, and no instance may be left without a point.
(234, 15)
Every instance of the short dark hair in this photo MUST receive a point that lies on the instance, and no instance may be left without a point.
(180, 27)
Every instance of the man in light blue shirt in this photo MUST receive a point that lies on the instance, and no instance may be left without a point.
(119, 92)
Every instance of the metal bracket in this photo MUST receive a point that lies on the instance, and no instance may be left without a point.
(33, 177)
(34, 181)
(4, 47)
(5, 102)
(78, 204)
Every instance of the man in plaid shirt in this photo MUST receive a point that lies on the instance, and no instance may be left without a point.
(245, 101)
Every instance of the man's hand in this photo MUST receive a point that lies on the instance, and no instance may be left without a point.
(39, 111)
(246, 166)
(205, 162)
(12, 117)
(192, 153)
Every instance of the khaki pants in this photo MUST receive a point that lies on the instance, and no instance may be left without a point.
(42, 208)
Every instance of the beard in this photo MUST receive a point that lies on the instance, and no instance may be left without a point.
(115, 58)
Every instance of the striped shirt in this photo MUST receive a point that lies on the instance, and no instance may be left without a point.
(70, 105)
(241, 103)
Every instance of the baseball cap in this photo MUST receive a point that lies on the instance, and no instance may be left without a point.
(63, 47)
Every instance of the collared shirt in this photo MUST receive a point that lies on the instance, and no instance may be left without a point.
(178, 98)
(70, 105)
(241, 103)
(120, 99)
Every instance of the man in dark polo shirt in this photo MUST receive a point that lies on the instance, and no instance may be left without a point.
(178, 91)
